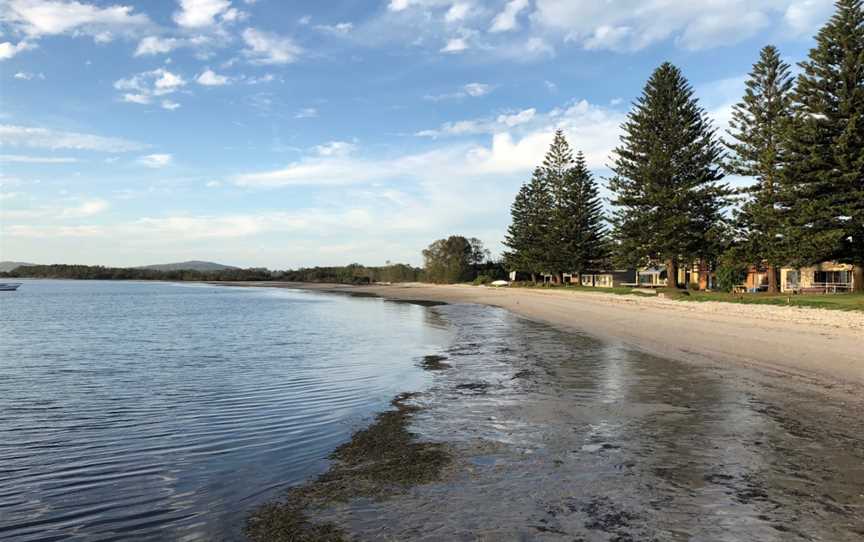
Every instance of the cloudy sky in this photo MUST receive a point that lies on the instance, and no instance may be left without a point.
(281, 134)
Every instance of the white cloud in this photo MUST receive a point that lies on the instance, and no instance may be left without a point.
(517, 118)
(455, 45)
(156, 161)
(85, 209)
(266, 78)
(203, 13)
(805, 16)
(477, 89)
(43, 138)
(170, 105)
(608, 37)
(319, 171)
(52, 232)
(154, 45)
(536, 47)
(398, 5)
(51, 17)
(211, 79)
(8, 49)
(29, 76)
(306, 113)
(474, 90)
(335, 148)
(506, 20)
(143, 87)
(631, 25)
(457, 12)
(24, 159)
(518, 143)
(339, 28)
(481, 126)
(462, 127)
(268, 48)
(142, 99)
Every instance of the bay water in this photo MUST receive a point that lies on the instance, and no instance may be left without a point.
(159, 411)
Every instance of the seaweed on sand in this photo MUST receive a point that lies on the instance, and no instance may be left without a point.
(276, 521)
(379, 461)
(434, 363)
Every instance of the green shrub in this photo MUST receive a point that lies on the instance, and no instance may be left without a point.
(729, 276)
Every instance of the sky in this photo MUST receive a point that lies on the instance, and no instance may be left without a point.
(281, 134)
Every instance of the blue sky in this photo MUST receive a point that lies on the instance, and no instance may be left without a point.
(283, 134)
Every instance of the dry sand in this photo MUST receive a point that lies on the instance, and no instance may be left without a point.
(811, 344)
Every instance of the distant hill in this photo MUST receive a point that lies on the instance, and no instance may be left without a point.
(193, 265)
(9, 266)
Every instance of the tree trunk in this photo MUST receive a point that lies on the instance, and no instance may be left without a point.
(671, 273)
(772, 278)
(534, 278)
(858, 277)
(704, 279)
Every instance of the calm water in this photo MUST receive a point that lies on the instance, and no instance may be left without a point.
(167, 412)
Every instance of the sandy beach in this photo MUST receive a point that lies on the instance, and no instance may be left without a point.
(819, 346)
(580, 416)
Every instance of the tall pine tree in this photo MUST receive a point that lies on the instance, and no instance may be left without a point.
(584, 242)
(557, 219)
(826, 145)
(557, 171)
(666, 187)
(528, 231)
(757, 128)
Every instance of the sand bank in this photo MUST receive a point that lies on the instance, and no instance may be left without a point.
(805, 342)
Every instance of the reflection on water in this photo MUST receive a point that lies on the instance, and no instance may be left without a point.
(157, 411)
(571, 438)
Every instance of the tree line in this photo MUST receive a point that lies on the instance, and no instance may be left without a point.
(353, 274)
(349, 274)
(800, 139)
(99, 272)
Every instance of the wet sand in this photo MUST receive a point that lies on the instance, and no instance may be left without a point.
(580, 431)
(818, 345)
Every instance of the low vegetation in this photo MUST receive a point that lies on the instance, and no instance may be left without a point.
(841, 301)
(846, 302)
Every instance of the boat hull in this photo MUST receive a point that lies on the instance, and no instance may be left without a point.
(9, 286)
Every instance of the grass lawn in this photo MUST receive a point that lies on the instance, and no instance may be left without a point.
(845, 302)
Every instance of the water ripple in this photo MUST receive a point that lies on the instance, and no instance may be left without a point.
(152, 411)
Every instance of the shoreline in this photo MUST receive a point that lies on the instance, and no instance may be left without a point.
(814, 346)
(552, 433)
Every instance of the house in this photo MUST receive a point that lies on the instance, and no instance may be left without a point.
(651, 277)
(697, 275)
(607, 278)
(756, 279)
(519, 276)
(824, 277)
